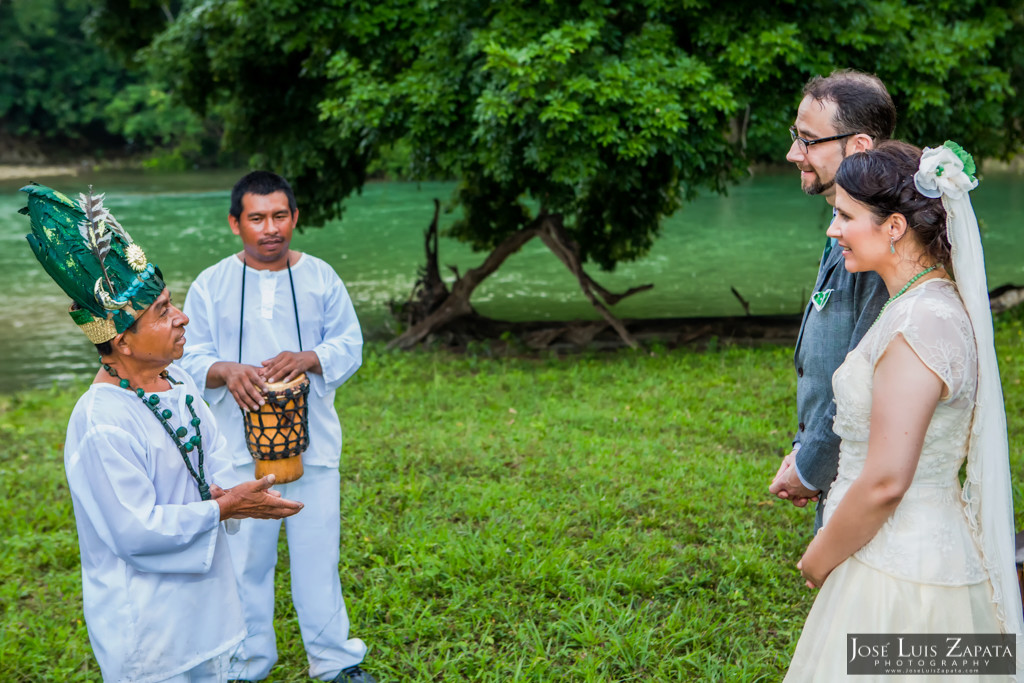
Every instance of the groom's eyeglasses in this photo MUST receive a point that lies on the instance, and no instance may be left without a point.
(805, 143)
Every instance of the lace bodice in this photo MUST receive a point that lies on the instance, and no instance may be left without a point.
(927, 538)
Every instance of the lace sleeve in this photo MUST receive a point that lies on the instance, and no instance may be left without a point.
(932, 320)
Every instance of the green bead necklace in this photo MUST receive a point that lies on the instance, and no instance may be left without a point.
(195, 443)
(905, 288)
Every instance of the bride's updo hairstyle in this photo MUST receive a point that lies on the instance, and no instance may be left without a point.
(882, 179)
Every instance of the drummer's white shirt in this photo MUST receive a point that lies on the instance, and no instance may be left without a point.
(157, 585)
(328, 324)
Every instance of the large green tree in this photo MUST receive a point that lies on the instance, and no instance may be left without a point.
(582, 122)
(54, 83)
(60, 89)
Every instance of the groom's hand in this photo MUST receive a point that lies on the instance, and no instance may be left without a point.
(787, 484)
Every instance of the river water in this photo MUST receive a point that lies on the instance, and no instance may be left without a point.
(764, 239)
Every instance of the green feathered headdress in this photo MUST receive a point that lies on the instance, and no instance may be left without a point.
(93, 259)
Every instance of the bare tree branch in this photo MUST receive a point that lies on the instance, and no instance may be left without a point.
(567, 251)
(743, 302)
(457, 303)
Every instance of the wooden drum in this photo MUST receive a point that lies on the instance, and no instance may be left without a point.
(278, 433)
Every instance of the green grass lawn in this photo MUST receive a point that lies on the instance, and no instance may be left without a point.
(602, 517)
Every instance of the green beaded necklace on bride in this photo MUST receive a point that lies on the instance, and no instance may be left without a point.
(905, 288)
(184, 447)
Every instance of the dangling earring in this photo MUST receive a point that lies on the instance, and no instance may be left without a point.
(892, 245)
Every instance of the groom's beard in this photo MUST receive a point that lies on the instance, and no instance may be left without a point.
(819, 188)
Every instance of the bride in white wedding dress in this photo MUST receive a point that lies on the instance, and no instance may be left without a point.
(905, 550)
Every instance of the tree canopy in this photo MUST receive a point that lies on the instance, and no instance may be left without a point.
(581, 122)
(608, 114)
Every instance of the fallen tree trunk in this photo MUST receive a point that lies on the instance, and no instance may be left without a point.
(431, 308)
(552, 233)
(578, 335)
(1006, 297)
(456, 304)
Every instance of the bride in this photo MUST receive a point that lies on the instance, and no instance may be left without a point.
(903, 549)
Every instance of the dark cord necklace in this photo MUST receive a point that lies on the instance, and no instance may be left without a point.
(241, 310)
(195, 443)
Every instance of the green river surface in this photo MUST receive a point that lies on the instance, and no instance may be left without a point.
(764, 238)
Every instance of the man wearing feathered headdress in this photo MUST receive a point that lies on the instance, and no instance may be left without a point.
(142, 457)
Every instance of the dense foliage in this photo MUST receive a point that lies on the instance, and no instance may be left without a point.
(608, 113)
(54, 83)
(58, 86)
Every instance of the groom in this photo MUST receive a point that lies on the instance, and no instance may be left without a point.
(846, 112)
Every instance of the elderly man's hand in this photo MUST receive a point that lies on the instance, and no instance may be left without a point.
(255, 499)
(787, 484)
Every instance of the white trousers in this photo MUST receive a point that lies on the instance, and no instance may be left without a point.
(314, 537)
(211, 671)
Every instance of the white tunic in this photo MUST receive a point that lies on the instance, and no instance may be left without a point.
(157, 584)
(327, 321)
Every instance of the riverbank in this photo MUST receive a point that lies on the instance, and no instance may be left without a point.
(15, 171)
(763, 241)
(31, 172)
(588, 518)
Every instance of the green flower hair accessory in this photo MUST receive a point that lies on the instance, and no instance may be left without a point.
(968, 161)
(945, 171)
(93, 259)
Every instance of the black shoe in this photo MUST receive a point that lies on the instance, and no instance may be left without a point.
(354, 674)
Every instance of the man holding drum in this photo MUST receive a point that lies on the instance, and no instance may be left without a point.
(142, 456)
(260, 319)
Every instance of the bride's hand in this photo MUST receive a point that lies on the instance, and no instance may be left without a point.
(814, 575)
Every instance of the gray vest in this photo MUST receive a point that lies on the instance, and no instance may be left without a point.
(826, 336)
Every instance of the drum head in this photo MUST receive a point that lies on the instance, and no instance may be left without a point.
(285, 386)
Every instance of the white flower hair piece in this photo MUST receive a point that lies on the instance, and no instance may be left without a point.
(946, 170)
